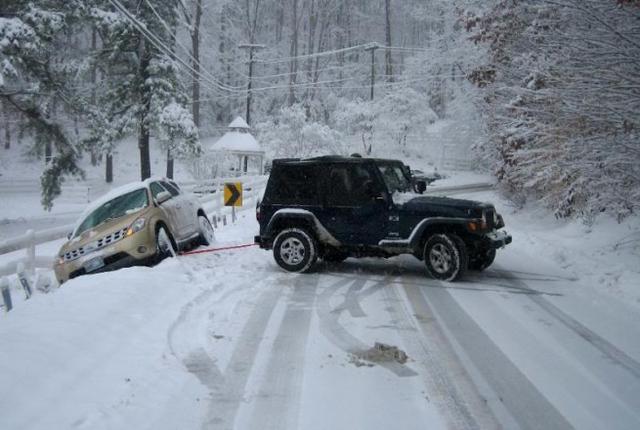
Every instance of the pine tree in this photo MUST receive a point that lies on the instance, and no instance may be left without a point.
(141, 92)
(34, 80)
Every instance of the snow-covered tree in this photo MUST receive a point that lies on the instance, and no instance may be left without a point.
(141, 92)
(561, 99)
(357, 118)
(34, 80)
(291, 134)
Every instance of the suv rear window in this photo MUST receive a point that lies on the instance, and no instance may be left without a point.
(294, 184)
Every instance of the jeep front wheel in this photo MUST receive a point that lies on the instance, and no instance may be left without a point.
(445, 256)
(482, 260)
(295, 250)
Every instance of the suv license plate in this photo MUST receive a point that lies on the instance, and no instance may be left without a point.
(93, 264)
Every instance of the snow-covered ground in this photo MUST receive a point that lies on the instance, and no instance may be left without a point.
(548, 337)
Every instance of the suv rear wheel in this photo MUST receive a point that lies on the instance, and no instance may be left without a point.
(295, 250)
(445, 256)
(207, 236)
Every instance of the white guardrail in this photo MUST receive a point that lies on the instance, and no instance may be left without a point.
(211, 200)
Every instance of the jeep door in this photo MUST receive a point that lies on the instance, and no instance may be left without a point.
(353, 211)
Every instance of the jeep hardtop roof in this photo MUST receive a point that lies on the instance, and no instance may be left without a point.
(333, 159)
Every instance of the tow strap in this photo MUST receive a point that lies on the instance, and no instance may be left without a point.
(226, 248)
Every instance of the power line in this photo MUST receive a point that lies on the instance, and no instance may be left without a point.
(155, 41)
(186, 50)
(317, 54)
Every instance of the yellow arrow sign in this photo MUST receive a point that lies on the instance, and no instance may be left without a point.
(233, 194)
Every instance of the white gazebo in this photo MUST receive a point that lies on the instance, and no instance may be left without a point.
(239, 145)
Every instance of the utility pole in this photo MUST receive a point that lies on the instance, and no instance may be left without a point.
(372, 47)
(251, 47)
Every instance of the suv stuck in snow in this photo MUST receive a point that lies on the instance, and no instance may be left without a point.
(134, 224)
(338, 207)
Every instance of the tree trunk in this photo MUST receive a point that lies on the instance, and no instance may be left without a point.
(279, 22)
(195, 47)
(324, 25)
(143, 130)
(48, 152)
(143, 144)
(7, 126)
(293, 51)
(169, 164)
(340, 40)
(108, 173)
(94, 78)
(388, 66)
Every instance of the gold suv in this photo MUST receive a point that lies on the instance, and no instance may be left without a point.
(138, 223)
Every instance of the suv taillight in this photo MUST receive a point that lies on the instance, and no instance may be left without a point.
(258, 211)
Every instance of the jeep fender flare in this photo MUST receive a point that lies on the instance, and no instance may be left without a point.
(322, 234)
(413, 241)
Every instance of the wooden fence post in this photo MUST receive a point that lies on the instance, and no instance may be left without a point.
(31, 251)
(6, 294)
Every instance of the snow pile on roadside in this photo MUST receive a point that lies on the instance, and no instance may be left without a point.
(97, 350)
(604, 255)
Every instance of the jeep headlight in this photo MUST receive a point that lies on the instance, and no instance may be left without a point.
(136, 226)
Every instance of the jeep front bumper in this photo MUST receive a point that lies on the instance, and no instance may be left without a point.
(498, 239)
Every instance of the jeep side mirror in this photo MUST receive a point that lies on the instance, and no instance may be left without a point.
(163, 197)
(421, 186)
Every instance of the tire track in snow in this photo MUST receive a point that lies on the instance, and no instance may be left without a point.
(277, 403)
(226, 387)
(351, 301)
(604, 346)
(339, 336)
(226, 399)
(457, 399)
(514, 400)
(610, 390)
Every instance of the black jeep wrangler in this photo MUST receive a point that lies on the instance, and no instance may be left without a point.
(338, 207)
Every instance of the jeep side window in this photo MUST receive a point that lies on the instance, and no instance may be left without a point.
(295, 185)
(349, 185)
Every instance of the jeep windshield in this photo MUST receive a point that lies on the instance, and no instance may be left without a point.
(394, 177)
(115, 208)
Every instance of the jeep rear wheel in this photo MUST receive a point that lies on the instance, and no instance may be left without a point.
(295, 250)
(445, 256)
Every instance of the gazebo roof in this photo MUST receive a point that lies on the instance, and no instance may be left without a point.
(235, 141)
(239, 123)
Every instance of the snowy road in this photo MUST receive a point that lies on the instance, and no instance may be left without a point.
(227, 340)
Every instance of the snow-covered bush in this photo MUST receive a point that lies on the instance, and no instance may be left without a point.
(290, 134)
(561, 104)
